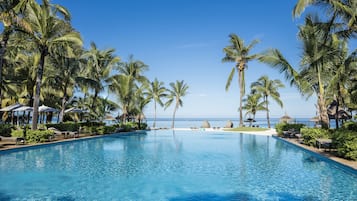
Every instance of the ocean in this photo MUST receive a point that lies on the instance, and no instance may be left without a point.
(218, 122)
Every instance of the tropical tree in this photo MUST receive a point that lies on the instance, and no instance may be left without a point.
(99, 65)
(336, 10)
(124, 89)
(156, 91)
(63, 75)
(47, 31)
(317, 53)
(268, 88)
(135, 70)
(11, 17)
(177, 90)
(252, 104)
(343, 68)
(239, 53)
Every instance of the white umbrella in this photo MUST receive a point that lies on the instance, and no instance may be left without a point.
(11, 107)
(44, 108)
(74, 110)
(23, 109)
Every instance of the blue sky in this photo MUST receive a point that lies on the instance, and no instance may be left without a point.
(184, 40)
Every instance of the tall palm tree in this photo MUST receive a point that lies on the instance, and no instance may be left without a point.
(252, 104)
(178, 90)
(268, 88)
(317, 53)
(342, 68)
(124, 89)
(99, 65)
(65, 70)
(156, 91)
(239, 53)
(134, 69)
(10, 16)
(47, 32)
(338, 9)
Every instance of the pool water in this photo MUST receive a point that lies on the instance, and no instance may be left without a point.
(174, 166)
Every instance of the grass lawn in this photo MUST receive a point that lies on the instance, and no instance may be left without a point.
(246, 129)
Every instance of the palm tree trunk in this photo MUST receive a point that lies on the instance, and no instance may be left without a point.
(5, 39)
(173, 117)
(63, 105)
(36, 101)
(241, 94)
(267, 106)
(323, 112)
(154, 124)
(321, 102)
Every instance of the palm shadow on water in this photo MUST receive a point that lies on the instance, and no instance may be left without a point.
(240, 196)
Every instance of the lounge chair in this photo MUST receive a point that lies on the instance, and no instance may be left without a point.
(17, 140)
(65, 134)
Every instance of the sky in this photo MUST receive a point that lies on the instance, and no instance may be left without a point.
(184, 40)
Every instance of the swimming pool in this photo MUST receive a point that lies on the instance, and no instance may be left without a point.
(162, 165)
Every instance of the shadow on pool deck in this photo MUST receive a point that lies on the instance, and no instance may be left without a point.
(281, 196)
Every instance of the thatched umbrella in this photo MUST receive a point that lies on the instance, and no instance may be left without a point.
(250, 120)
(285, 118)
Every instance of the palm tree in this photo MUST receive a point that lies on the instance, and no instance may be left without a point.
(252, 104)
(65, 70)
(317, 53)
(238, 53)
(124, 89)
(268, 88)
(47, 32)
(156, 91)
(342, 70)
(99, 65)
(178, 90)
(10, 16)
(134, 69)
(338, 9)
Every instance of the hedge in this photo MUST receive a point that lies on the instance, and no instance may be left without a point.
(280, 127)
(346, 143)
(310, 135)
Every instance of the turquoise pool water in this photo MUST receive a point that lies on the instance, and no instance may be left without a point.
(162, 165)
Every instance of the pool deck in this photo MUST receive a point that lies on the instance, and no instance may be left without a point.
(324, 152)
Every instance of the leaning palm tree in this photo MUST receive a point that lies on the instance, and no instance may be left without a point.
(178, 90)
(156, 91)
(238, 53)
(268, 88)
(47, 32)
(252, 104)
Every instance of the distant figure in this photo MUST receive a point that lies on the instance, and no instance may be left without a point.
(229, 124)
(206, 124)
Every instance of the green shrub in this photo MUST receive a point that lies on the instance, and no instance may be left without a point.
(310, 135)
(92, 124)
(109, 129)
(5, 130)
(36, 136)
(346, 143)
(280, 127)
(350, 125)
(17, 133)
(67, 126)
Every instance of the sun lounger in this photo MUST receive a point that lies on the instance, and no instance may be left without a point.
(65, 134)
(17, 140)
